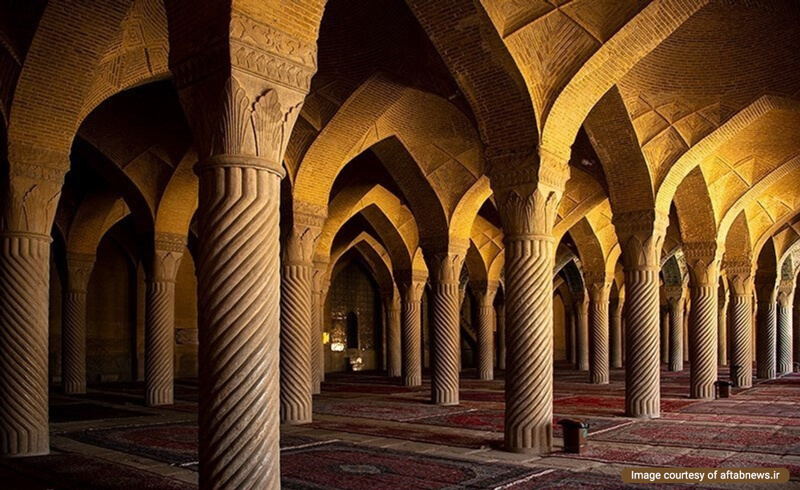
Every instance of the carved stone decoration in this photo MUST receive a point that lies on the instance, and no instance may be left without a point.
(24, 287)
(615, 333)
(412, 331)
(445, 272)
(393, 337)
(296, 299)
(160, 320)
(766, 326)
(582, 333)
(785, 358)
(528, 212)
(740, 282)
(796, 328)
(73, 323)
(484, 295)
(664, 344)
(641, 235)
(675, 305)
(722, 328)
(239, 317)
(702, 260)
(598, 331)
(317, 354)
(501, 336)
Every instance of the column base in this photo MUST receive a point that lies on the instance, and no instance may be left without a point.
(486, 376)
(445, 399)
(413, 381)
(74, 390)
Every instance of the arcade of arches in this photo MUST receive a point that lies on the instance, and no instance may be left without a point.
(286, 206)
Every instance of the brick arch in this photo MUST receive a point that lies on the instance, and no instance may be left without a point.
(96, 215)
(178, 202)
(582, 194)
(766, 258)
(695, 210)
(137, 54)
(737, 239)
(488, 241)
(561, 117)
(589, 248)
(44, 121)
(484, 70)
(611, 132)
(466, 211)
(716, 139)
(787, 170)
(352, 201)
(373, 253)
(441, 158)
(474, 262)
(401, 256)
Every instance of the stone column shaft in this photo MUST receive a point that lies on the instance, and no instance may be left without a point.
(484, 295)
(722, 330)
(412, 332)
(73, 323)
(393, 337)
(528, 212)
(501, 336)
(784, 332)
(296, 381)
(641, 236)
(24, 300)
(742, 340)
(445, 268)
(582, 334)
(703, 341)
(160, 319)
(766, 327)
(796, 328)
(702, 259)
(598, 289)
(664, 343)
(615, 333)
(675, 302)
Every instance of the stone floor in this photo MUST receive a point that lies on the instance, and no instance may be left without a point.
(371, 432)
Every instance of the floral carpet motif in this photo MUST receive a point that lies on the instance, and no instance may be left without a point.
(76, 412)
(752, 408)
(400, 411)
(610, 406)
(774, 440)
(413, 433)
(349, 467)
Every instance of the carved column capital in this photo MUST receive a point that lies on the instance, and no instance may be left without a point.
(485, 292)
(785, 293)
(79, 269)
(641, 237)
(445, 264)
(33, 189)
(702, 259)
(740, 276)
(301, 240)
(673, 293)
(766, 284)
(411, 291)
(598, 285)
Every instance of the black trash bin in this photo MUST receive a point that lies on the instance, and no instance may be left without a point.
(575, 432)
(723, 388)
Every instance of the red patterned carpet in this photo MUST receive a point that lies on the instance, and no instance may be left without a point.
(757, 427)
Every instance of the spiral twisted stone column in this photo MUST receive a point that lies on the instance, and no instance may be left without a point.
(722, 328)
(582, 333)
(741, 341)
(24, 300)
(641, 235)
(484, 294)
(796, 328)
(160, 319)
(703, 341)
(664, 343)
(296, 327)
(766, 342)
(784, 328)
(598, 333)
(501, 336)
(393, 336)
(529, 345)
(412, 332)
(73, 323)
(615, 333)
(316, 335)
(445, 270)
(675, 303)
(238, 298)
